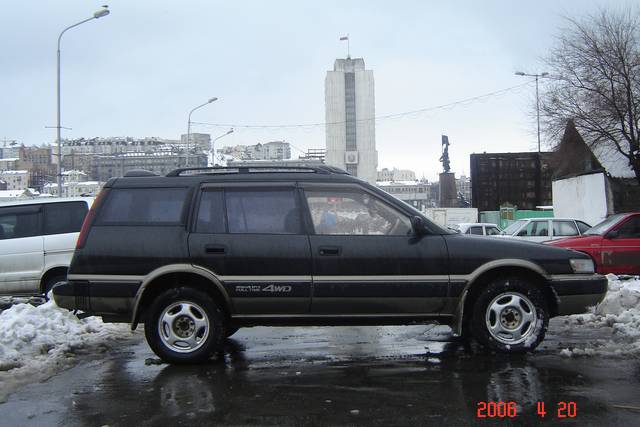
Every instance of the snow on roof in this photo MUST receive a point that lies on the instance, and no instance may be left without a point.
(612, 160)
(19, 172)
(389, 183)
(11, 193)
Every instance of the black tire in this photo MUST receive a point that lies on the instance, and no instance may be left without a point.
(230, 331)
(510, 315)
(186, 313)
(51, 281)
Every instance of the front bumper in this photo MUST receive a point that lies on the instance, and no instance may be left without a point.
(576, 292)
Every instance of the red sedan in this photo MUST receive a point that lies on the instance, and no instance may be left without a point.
(614, 244)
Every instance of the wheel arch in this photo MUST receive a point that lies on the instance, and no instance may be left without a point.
(53, 271)
(173, 276)
(482, 278)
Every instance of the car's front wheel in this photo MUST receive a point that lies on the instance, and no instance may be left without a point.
(510, 315)
(184, 325)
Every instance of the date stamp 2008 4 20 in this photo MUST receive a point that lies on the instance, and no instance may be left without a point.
(492, 409)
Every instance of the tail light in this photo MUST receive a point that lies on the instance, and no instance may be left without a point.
(88, 220)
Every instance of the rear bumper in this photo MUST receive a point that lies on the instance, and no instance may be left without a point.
(110, 299)
(576, 292)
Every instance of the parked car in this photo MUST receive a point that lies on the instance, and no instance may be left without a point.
(543, 229)
(199, 253)
(614, 244)
(37, 240)
(479, 228)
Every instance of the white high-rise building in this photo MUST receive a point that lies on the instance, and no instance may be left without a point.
(350, 113)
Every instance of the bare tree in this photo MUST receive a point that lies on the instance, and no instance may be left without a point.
(596, 82)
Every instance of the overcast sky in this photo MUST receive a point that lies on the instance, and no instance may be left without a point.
(138, 71)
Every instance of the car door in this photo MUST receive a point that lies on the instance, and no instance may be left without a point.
(21, 249)
(61, 226)
(366, 259)
(251, 237)
(620, 250)
(536, 231)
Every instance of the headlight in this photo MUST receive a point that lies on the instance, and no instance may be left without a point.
(582, 265)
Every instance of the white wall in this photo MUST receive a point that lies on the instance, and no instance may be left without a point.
(582, 197)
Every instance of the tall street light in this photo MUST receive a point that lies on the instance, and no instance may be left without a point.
(189, 125)
(537, 76)
(538, 181)
(98, 14)
(213, 155)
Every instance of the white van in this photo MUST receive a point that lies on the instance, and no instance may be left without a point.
(37, 240)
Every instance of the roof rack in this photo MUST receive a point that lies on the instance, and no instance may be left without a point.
(323, 169)
(139, 172)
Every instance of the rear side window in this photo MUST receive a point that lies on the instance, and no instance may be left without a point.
(475, 230)
(144, 206)
(564, 228)
(64, 217)
(492, 231)
(583, 226)
(20, 222)
(265, 211)
(211, 213)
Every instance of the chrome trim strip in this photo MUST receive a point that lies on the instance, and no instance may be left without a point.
(395, 278)
(577, 277)
(265, 278)
(333, 316)
(106, 277)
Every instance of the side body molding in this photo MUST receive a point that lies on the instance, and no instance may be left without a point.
(471, 278)
(175, 268)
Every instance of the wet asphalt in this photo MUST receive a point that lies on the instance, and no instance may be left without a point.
(401, 375)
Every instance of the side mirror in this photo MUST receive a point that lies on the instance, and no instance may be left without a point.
(613, 234)
(419, 227)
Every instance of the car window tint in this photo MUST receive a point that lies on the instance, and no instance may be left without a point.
(64, 217)
(630, 229)
(15, 225)
(583, 226)
(144, 206)
(564, 228)
(475, 230)
(354, 212)
(492, 231)
(535, 228)
(211, 213)
(265, 211)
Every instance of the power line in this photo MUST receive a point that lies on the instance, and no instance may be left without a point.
(377, 118)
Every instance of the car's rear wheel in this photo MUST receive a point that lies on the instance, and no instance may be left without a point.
(184, 325)
(510, 316)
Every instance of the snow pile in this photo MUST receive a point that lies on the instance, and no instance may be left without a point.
(32, 336)
(620, 311)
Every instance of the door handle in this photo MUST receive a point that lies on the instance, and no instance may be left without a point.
(215, 249)
(329, 250)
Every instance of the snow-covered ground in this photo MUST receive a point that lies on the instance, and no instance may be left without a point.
(620, 311)
(40, 341)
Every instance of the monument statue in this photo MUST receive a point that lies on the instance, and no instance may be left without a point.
(445, 154)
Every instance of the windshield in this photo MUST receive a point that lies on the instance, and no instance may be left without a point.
(600, 229)
(513, 227)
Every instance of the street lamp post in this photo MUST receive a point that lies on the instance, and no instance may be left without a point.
(537, 76)
(98, 14)
(538, 180)
(213, 155)
(189, 125)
